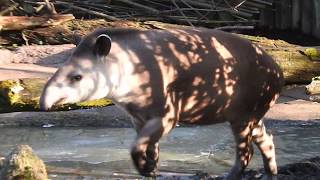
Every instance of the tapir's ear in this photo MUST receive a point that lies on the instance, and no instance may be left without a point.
(103, 45)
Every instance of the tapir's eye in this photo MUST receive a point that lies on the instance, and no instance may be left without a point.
(76, 78)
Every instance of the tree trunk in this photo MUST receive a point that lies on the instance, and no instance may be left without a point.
(23, 22)
(299, 64)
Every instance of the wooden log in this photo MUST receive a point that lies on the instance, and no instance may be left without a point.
(300, 64)
(23, 22)
(24, 94)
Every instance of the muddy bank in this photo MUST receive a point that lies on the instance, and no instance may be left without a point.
(111, 116)
(308, 169)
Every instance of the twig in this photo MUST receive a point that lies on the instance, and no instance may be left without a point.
(243, 9)
(192, 9)
(9, 9)
(263, 2)
(149, 9)
(111, 18)
(201, 15)
(234, 27)
(181, 12)
(205, 5)
(50, 7)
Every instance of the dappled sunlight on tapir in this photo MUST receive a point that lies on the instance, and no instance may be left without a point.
(160, 78)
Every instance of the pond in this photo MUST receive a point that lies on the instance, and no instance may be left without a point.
(104, 152)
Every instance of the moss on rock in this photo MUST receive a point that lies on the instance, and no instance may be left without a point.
(24, 95)
(312, 53)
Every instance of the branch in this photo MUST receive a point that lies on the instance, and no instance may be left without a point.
(181, 12)
(111, 18)
(23, 22)
(149, 9)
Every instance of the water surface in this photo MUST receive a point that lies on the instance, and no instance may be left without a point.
(104, 152)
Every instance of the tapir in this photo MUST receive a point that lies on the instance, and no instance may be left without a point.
(164, 77)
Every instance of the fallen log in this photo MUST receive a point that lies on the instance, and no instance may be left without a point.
(23, 22)
(299, 64)
(24, 94)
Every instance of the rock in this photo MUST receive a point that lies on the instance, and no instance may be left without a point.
(23, 71)
(22, 163)
(313, 89)
(46, 55)
(109, 116)
(315, 98)
(24, 95)
(314, 86)
(1, 162)
(6, 56)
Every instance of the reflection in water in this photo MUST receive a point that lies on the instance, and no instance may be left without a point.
(102, 152)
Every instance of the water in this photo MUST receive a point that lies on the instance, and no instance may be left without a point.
(104, 152)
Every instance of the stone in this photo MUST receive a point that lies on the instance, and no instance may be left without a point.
(22, 163)
(314, 86)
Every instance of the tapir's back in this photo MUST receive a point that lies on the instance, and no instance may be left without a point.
(204, 75)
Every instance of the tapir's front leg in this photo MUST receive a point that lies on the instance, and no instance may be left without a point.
(145, 150)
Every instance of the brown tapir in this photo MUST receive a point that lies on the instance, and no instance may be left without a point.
(160, 78)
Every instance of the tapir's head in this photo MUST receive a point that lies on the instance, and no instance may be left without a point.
(83, 76)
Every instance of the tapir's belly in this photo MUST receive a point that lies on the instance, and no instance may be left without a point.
(204, 109)
(222, 100)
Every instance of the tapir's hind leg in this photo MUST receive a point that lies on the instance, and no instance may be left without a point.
(244, 149)
(265, 144)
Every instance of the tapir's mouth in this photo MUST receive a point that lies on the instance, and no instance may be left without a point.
(60, 101)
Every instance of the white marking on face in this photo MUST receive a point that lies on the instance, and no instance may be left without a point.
(86, 63)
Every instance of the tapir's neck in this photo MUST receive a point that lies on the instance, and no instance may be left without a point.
(119, 71)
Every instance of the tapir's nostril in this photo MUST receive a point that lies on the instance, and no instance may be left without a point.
(60, 101)
(46, 104)
(43, 107)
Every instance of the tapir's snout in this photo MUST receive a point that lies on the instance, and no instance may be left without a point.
(50, 96)
(44, 106)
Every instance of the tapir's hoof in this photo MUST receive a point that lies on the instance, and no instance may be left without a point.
(269, 177)
(147, 167)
